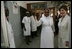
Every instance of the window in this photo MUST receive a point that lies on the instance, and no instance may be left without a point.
(40, 5)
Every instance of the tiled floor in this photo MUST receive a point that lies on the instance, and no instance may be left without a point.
(56, 41)
(36, 43)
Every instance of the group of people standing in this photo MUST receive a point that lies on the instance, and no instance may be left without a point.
(31, 26)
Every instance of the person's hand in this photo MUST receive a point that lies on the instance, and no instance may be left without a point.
(67, 43)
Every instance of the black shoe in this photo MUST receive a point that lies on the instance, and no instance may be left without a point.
(27, 43)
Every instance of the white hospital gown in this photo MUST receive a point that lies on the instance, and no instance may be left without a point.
(26, 20)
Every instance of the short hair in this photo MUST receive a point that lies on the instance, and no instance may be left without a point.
(6, 12)
(63, 7)
(47, 9)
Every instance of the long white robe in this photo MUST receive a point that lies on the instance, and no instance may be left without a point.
(47, 35)
(64, 31)
(26, 20)
(10, 35)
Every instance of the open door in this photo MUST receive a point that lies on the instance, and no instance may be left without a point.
(22, 14)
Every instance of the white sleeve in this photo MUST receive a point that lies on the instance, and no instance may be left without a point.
(69, 30)
(23, 21)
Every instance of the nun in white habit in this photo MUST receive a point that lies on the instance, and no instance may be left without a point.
(47, 32)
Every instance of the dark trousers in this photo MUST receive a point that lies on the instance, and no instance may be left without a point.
(39, 29)
(33, 34)
(27, 39)
(56, 28)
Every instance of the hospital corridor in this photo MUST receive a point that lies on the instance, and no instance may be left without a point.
(35, 24)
